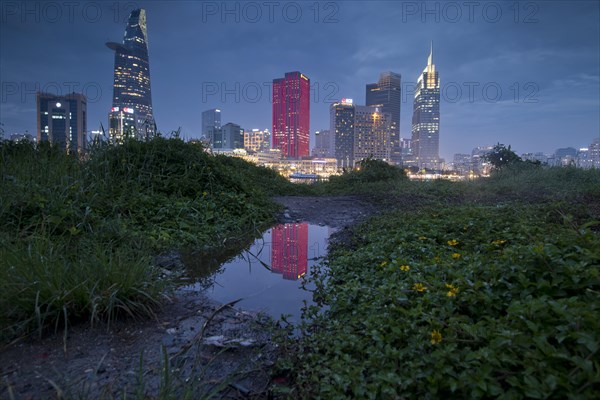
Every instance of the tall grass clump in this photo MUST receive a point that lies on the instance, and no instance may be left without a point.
(78, 235)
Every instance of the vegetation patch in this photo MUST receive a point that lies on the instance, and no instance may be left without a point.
(77, 237)
(465, 299)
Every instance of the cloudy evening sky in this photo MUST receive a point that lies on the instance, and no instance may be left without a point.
(523, 73)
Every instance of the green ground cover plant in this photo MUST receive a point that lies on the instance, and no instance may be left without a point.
(467, 298)
(77, 236)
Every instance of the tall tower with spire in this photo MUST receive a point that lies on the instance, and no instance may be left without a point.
(131, 113)
(426, 118)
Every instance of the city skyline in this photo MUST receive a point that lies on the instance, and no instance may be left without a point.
(549, 79)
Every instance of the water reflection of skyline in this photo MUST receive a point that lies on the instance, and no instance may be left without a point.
(266, 274)
(289, 250)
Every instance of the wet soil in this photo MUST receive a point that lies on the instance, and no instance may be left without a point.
(334, 211)
(223, 350)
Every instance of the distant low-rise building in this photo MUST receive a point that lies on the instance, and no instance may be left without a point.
(22, 137)
(229, 136)
(535, 157)
(480, 166)
(324, 146)
(462, 163)
(256, 140)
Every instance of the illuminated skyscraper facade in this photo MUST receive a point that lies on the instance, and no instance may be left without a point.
(131, 113)
(211, 123)
(291, 115)
(342, 126)
(426, 118)
(62, 120)
(289, 250)
(372, 133)
(386, 94)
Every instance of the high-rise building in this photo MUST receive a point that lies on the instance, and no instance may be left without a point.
(289, 250)
(232, 136)
(426, 118)
(211, 123)
(323, 144)
(257, 140)
(359, 132)
(62, 120)
(342, 127)
(291, 115)
(386, 94)
(372, 133)
(131, 114)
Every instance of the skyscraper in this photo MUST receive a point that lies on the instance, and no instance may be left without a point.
(232, 136)
(62, 120)
(426, 118)
(131, 113)
(291, 115)
(342, 126)
(372, 133)
(211, 122)
(386, 94)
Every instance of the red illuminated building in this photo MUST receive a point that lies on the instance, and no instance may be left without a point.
(291, 115)
(289, 250)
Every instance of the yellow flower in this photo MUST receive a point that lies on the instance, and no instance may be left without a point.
(499, 242)
(452, 242)
(204, 194)
(383, 264)
(422, 238)
(404, 268)
(456, 256)
(452, 290)
(419, 287)
(436, 337)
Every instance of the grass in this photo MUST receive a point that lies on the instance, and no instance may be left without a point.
(469, 290)
(463, 290)
(78, 236)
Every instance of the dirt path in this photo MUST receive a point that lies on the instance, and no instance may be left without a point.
(232, 355)
(334, 211)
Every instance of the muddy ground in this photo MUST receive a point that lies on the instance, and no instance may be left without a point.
(225, 351)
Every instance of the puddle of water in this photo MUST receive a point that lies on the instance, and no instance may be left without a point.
(267, 275)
